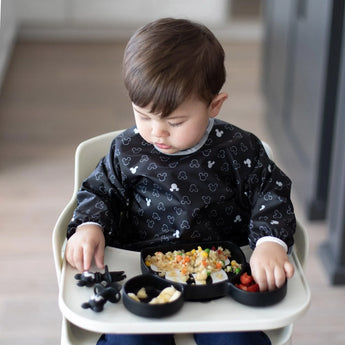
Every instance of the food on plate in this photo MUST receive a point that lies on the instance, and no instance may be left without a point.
(133, 296)
(247, 283)
(195, 266)
(142, 294)
(169, 294)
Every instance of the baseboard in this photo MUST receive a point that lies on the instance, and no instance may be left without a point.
(235, 31)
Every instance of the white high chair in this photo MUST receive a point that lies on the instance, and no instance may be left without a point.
(87, 156)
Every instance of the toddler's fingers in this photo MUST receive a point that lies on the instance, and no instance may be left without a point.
(289, 269)
(68, 254)
(280, 276)
(78, 259)
(259, 276)
(99, 256)
(271, 281)
(88, 253)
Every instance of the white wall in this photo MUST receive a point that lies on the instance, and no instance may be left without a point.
(119, 12)
(88, 19)
(134, 12)
(49, 12)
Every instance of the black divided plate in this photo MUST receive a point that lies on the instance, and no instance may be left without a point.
(153, 284)
(197, 292)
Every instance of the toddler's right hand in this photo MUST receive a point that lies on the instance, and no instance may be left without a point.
(85, 244)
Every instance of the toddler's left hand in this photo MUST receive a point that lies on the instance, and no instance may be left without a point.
(270, 266)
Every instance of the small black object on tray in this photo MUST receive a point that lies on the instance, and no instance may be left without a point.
(103, 294)
(91, 278)
(106, 287)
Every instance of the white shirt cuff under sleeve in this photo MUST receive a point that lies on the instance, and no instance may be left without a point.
(272, 239)
(88, 223)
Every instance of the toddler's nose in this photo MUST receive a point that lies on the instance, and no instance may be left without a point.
(158, 130)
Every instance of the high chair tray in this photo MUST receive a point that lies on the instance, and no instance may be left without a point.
(218, 315)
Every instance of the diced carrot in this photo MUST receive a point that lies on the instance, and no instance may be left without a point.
(178, 258)
(186, 259)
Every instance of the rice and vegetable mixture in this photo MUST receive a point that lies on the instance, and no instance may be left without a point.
(197, 265)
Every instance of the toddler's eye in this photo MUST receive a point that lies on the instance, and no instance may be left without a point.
(144, 118)
(177, 124)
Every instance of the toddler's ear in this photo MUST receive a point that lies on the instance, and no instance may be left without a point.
(217, 103)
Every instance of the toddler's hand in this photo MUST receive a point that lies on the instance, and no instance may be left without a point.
(84, 245)
(270, 266)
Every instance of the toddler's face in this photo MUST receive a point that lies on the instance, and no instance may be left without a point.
(181, 130)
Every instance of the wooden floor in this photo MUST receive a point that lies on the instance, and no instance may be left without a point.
(56, 95)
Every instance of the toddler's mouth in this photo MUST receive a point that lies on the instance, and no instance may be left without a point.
(162, 146)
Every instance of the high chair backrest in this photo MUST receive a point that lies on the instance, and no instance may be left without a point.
(89, 153)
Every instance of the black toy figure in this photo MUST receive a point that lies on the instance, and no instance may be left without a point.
(89, 278)
(102, 294)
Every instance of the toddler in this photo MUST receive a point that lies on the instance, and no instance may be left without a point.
(180, 175)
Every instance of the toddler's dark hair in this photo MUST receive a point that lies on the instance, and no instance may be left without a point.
(169, 60)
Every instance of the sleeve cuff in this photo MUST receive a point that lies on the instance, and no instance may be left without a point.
(89, 223)
(272, 239)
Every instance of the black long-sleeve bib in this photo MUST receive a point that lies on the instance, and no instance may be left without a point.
(227, 190)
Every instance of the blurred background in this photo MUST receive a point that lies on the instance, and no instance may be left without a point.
(60, 83)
